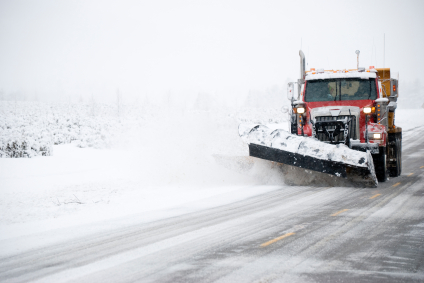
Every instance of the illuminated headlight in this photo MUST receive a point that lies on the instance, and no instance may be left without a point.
(300, 110)
(367, 110)
(377, 136)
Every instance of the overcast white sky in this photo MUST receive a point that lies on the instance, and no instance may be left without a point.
(220, 47)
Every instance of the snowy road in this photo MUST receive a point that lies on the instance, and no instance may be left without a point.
(300, 234)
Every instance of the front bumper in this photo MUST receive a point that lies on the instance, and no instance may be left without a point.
(357, 145)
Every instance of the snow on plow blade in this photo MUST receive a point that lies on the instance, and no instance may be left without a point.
(305, 152)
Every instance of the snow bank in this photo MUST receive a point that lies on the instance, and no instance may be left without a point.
(152, 158)
(29, 129)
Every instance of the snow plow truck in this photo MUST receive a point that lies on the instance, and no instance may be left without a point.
(341, 122)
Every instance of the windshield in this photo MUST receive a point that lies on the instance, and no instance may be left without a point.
(340, 89)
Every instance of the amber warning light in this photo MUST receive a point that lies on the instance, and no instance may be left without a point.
(394, 87)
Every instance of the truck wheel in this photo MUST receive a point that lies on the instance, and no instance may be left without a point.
(293, 124)
(293, 129)
(400, 155)
(380, 164)
(395, 171)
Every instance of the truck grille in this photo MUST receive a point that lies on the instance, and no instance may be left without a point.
(340, 137)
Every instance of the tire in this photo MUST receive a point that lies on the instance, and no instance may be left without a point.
(380, 164)
(395, 171)
(400, 155)
(293, 129)
(293, 124)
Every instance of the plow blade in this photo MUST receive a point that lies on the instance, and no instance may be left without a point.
(303, 161)
(308, 153)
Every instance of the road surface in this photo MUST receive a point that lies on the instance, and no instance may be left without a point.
(293, 234)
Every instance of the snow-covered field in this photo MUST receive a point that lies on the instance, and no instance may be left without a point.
(146, 162)
(107, 166)
(28, 126)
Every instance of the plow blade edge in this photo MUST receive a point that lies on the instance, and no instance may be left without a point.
(303, 161)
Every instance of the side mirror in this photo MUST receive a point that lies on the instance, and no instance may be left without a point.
(290, 91)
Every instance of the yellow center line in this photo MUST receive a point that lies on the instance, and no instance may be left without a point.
(395, 185)
(374, 196)
(338, 212)
(410, 174)
(277, 239)
(421, 167)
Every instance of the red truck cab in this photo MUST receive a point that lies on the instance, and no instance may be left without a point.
(352, 107)
(342, 107)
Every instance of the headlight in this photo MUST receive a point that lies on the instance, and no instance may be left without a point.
(300, 110)
(367, 110)
(377, 136)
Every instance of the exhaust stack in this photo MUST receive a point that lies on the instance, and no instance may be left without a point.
(357, 59)
(302, 65)
(302, 71)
